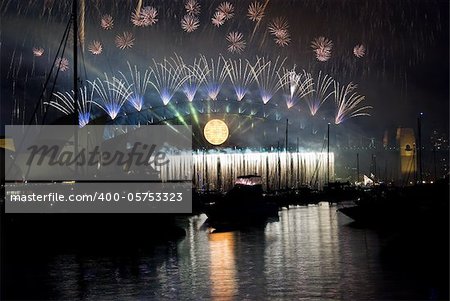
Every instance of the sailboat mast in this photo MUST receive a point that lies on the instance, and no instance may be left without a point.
(419, 144)
(328, 153)
(75, 59)
(286, 152)
(75, 79)
(286, 135)
(357, 167)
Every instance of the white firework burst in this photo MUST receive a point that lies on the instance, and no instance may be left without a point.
(194, 74)
(322, 48)
(296, 85)
(65, 103)
(146, 16)
(62, 64)
(359, 51)
(321, 42)
(241, 76)
(283, 40)
(320, 92)
(138, 85)
(279, 27)
(266, 75)
(38, 51)
(347, 102)
(216, 73)
(255, 11)
(237, 43)
(168, 78)
(126, 40)
(189, 23)
(218, 19)
(192, 7)
(95, 47)
(136, 18)
(150, 15)
(113, 94)
(227, 9)
(107, 22)
(322, 54)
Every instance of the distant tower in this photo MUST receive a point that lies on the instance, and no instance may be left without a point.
(406, 142)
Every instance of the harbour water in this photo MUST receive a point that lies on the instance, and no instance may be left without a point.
(311, 252)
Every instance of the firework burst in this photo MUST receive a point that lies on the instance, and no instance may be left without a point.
(144, 17)
(241, 76)
(255, 11)
(279, 29)
(126, 40)
(227, 9)
(138, 85)
(38, 51)
(65, 103)
(136, 18)
(278, 26)
(189, 23)
(237, 42)
(113, 94)
(359, 51)
(195, 75)
(289, 81)
(266, 75)
(192, 7)
(347, 102)
(218, 19)
(322, 48)
(322, 55)
(168, 78)
(95, 47)
(107, 22)
(217, 71)
(283, 40)
(296, 85)
(320, 92)
(62, 64)
(149, 15)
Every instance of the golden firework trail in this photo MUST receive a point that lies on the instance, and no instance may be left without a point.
(81, 21)
(138, 7)
(259, 21)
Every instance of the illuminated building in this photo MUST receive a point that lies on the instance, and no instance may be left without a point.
(406, 142)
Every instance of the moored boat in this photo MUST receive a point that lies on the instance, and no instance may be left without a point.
(244, 205)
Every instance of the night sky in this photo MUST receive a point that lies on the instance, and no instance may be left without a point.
(404, 70)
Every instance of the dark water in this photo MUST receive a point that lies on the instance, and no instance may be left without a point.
(310, 253)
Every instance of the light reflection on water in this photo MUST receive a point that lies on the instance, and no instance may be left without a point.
(310, 253)
(222, 266)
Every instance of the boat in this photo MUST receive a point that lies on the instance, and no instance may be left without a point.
(242, 206)
(387, 207)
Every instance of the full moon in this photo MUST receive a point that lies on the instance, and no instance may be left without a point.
(216, 131)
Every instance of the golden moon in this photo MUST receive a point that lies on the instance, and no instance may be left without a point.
(216, 131)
